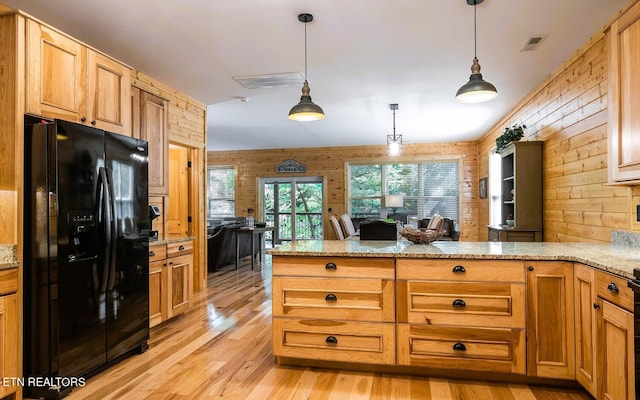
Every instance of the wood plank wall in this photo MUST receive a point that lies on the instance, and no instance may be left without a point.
(187, 128)
(568, 111)
(329, 162)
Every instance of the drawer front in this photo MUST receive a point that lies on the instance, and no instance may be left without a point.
(338, 299)
(8, 281)
(615, 290)
(334, 267)
(500, 305)
(461, 270)
(179, 248)
(359, 342)
(480, 349)
(157, 252)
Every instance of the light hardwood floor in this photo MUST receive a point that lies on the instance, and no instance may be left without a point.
(221, 348)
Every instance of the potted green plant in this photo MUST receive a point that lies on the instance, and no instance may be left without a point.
(510, 134)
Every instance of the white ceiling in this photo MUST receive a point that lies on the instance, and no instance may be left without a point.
(362, 56)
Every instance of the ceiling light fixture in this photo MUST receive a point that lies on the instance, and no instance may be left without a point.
(477, 89)
(394, 142)
(306, 110)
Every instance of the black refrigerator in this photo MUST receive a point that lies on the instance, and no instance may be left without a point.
(86, 263)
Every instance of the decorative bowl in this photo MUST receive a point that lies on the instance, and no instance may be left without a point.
(510, 222)
(420, 236)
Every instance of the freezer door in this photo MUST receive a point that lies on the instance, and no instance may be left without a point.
(128, 283)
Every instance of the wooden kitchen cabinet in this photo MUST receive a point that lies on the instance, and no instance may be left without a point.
(70, 81)
(9, 342)
(150, 122)
(170, 280)
(550, 320)
(585, 327)
(624, 97)
(334, 309)
(462, 314)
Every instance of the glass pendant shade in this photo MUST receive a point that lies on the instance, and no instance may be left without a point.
(394, 145)
(306, 110)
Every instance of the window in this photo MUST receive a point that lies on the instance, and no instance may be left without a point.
(221, 192)
(429, 187)
(495, 186)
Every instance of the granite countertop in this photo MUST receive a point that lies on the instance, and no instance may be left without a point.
(171, 240)
(619, 260)
(8, 257)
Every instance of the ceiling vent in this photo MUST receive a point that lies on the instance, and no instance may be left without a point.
(533, 42)
(270, 81)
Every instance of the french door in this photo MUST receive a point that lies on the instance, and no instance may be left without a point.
(294, 207)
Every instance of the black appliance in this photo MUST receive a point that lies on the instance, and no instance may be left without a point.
(86, 264)
(635, 286)
(154, 212)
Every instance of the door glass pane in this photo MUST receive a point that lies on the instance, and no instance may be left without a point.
(284, 197)
(308, 210)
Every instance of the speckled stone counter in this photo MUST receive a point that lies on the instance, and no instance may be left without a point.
(171, 240)
(8, 256)
(619, 260)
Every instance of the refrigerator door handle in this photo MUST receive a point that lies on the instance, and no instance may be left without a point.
(106, 212)
(113, 238)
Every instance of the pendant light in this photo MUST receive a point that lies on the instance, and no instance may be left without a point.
(306, 110)
(477, 89)
(394, 142)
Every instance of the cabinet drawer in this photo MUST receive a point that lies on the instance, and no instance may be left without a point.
(344, 299)
(359, 342)
(500, 305)
(614, 289)
(157, 252)
(461, 270)
(334, 267)
(480, 349)
(8, 281)
(179, 248)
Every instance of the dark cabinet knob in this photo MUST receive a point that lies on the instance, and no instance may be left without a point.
(331, 297)
(530, 268)
(83, 119)
(331, 340)
(170, 262)
(152, 253)
(459, 347)
(612, 287)
(459, 303)
(596, 306)
(330, 266)
(93, 123)
(458, 269)
(180, 248)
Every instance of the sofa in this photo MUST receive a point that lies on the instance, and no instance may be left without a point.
(221, 245)
(448, 227)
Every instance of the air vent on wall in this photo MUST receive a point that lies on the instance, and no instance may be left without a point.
(270, 81)
(533, 42)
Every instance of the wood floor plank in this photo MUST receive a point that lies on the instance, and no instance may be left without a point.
(221, 348)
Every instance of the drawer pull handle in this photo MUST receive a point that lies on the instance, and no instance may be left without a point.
(459, 303)
(331, 340)
(331, 297)
(596, 306)
(530, 268)
(152, 253)
(330, 266)
(459, 269)
(181, 248)
(459, 347)
(612, 287)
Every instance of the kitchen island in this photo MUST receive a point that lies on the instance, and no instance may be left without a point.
(513, 311)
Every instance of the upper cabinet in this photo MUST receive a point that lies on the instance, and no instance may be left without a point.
(624, 98)
(150, 123)
(67, 80)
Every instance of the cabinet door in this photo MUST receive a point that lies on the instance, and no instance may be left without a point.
(550, 326)
(153, 128)
(55, 74)
(615, 353)
(9, 341)
(108, 94)
(157, 292)
(586, 327)
(624, 97)
(179, 284)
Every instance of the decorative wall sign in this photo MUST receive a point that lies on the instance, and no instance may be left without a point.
(483, 188)
(291, 166)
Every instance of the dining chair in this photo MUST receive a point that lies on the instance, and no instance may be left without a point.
(336, 227)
